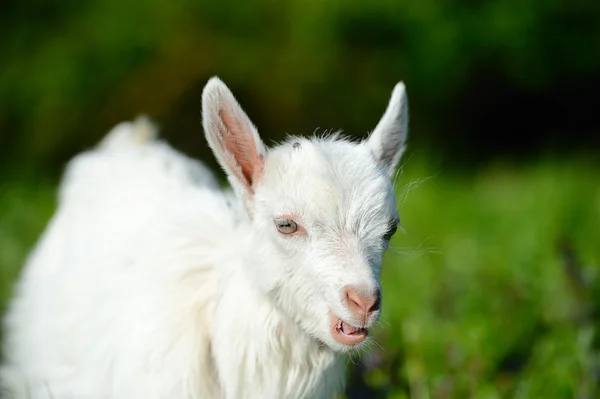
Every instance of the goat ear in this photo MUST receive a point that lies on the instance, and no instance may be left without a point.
(389, 137)
(232, 136)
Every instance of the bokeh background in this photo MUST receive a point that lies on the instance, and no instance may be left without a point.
(493, 292)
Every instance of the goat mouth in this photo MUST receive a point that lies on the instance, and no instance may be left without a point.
(346, 334)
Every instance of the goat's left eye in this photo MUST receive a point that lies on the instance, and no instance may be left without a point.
(286, 226)
(390, 232)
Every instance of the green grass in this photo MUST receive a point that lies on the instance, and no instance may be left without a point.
(492, 293)
(480, 301)
(25, 208)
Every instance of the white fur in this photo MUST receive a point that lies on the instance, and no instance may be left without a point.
(150, 282)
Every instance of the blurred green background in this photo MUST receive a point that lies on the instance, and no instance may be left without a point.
(494, 291)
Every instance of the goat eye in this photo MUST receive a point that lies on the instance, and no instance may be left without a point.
(390, 232)
(286, 226)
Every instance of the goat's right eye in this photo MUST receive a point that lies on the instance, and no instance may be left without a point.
(286, 226)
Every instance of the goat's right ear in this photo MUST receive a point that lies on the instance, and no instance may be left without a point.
(232, 137)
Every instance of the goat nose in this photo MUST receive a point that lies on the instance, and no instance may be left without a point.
(361, 305)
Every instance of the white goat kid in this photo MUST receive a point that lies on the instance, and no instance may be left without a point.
(150, 282)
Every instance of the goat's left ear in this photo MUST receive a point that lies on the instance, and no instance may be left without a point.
(389, 137)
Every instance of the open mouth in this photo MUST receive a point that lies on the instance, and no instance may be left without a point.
(346, 334)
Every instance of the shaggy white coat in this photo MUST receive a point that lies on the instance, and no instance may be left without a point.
(150, 282)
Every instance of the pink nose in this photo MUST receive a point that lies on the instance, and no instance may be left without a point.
(362, 305)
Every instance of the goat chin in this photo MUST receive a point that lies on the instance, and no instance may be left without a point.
(152, 282)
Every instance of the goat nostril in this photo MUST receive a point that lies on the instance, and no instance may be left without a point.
(377, 304)
(353, 299)
(360, 304)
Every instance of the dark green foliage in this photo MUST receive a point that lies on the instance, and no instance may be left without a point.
(70, 70)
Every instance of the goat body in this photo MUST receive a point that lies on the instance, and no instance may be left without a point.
(152, 282)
